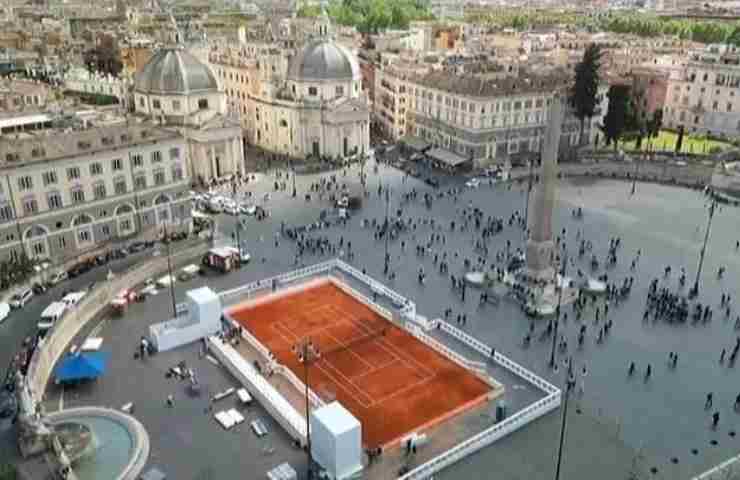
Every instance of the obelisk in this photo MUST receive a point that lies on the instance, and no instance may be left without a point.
(540, 245)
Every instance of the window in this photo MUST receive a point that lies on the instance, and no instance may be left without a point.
(715, 105)
(139, 182)
(340, 90)
(174, 153)
(49, 177)
(156, 156)
(156, 104)
(312, 91)
(119, 185)
(96, 169)
(84, 235)
(116, 164)
(105, 230)
(141, 101)
(6, 213)
(176, 173)
(729, 107)
(125, 225)
(62, 242)
(99, 191)
(78, 195)
(25, 183)
(176, 105)
(203, 104)
(73, 173)
(30, 206)
(54, 199)
(159, 177)
(137, 160)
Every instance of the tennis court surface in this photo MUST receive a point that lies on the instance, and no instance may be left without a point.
(392, 382)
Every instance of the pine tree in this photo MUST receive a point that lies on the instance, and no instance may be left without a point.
(585, 88)
(615, 120)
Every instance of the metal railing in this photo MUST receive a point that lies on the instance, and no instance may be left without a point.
(485, 438)
(727, 470)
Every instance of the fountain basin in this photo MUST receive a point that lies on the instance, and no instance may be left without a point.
(119, 447)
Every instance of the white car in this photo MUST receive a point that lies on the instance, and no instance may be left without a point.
(248, 209)
(4, 311)
(20, 298)
(472, 183)
(231, 208)
(58, 277)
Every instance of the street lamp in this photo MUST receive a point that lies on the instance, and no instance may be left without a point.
(295, 192)
(307, 354)
(169, 268)
(712, 206)
(238, 221)
(570, 383)
(564, 256)
(387, 227)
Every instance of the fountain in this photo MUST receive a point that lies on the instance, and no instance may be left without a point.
(85, 443)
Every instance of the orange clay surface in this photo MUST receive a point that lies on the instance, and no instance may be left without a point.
(393, 383)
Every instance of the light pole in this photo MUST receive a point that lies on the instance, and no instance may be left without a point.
(238, 222)
(712, 206)
(171, 279)
(564, 256)
(307, 354)
(295, 192)
(570, 383)
(387, 227)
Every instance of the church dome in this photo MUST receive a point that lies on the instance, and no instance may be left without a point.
(323, 60)
(175, 71)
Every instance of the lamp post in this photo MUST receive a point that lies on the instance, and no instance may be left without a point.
(169, 270)
(563, 269)
(295, 192)
(570, 384)
(387, 227)
(712, 206)
(238, 222)
(307, 354)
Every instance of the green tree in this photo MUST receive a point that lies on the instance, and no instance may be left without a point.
(585, 88)
(679, 139)
(615, 120)
(8, 472)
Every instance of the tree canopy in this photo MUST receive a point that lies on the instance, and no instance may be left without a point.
(372, 16)
(642, 24)
(616, 118)
(586, 85)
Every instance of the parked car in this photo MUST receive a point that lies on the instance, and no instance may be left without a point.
(4, 311)
(136, 247)
(58, 277)
(248, 209)
(472, 183)
(21, 298)
(231, 208)
(432, 182)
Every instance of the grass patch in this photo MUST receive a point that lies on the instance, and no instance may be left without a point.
(666, 141)
(8, 472)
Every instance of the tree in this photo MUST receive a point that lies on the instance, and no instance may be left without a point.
(655, 123)
(616, 117)
(679, 139)
(586, 86)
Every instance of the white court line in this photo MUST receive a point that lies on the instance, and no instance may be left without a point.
(345, 384)
(349, 349)
(380, 367)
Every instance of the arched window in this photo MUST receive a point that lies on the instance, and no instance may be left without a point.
(81, 220)
(124, 209)
(161, 200)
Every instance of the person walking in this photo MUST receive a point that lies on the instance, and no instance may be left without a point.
(708, 402)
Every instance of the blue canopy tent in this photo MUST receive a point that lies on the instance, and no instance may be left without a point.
(82, 366)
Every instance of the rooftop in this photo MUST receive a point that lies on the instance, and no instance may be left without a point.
(477, 86)
(16, 151)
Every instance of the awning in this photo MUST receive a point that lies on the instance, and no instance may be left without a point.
(446, 157)
(416, 143)
(82, 366)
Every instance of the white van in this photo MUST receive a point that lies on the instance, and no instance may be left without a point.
(51, 315)
(21, 298)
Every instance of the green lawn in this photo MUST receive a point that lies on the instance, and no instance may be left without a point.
(667, 141)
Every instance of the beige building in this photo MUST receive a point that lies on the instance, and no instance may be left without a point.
(178, 91)
(66, 194)
(704, 95)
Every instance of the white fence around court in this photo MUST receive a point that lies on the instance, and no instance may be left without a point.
(280, 409)
(727, 470)
(337, 269)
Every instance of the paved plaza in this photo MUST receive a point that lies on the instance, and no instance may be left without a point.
(618, 425)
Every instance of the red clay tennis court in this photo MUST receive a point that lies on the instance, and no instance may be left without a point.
(392, 382)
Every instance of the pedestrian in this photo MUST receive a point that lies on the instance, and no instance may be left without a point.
(631, 370)
(648, 372)
(722, 356)
(708, 402)
(715, 420)
(170, 401)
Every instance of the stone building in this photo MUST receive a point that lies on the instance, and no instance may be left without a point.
(176, 90)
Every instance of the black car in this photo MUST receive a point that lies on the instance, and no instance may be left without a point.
(432, 181)
(136, 247)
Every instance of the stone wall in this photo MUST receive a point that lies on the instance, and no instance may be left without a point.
(56, 341)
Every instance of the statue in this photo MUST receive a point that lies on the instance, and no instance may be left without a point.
(34, 435)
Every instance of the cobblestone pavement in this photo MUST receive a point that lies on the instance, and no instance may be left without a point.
(621, 419)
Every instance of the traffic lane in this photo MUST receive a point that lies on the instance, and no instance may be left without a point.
(22, 323)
